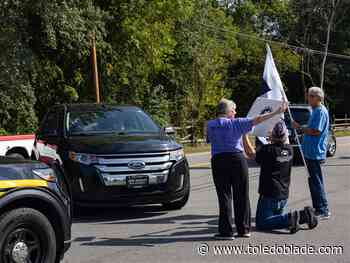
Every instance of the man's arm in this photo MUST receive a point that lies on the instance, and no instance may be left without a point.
(310, 131)
(317, 123)
(265, 117)
(306, 130)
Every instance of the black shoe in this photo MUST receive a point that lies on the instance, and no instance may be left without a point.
(223, 237)
(293, 218)
(303, 218)
(311, 218)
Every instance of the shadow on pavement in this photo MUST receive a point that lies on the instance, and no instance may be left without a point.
(96, 215)
(183, 228)
(148, 242)
(179, 219)
(167, 236)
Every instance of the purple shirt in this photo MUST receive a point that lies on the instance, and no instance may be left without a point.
(225, 135)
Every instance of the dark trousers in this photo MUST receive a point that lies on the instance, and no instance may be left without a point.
(230, 174)
(316, 185)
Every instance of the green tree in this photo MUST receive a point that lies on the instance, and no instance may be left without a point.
(258, 20)
(17, 97)
(323, 26)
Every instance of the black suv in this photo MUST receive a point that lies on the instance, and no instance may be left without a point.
(114, 155)
(35, 215)
(301, 114)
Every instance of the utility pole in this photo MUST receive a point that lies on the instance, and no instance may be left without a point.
(330, 22)
(94, 69)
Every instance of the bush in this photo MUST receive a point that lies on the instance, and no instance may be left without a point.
(2, 131)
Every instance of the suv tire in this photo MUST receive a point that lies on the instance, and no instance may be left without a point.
(332, 146)
(178, 204)
(30, 232)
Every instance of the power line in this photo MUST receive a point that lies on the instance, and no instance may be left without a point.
(283, 44)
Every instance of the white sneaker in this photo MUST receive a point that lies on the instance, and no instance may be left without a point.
(221, 237)
(324, 216)
(245, 235)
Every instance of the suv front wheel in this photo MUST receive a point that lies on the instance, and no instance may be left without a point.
(26, 236)
(178, 204)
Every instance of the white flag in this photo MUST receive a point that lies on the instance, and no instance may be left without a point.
(272, 88)
(272, 84)
(262, 106)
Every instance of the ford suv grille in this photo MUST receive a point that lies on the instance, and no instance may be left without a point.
(116, 169)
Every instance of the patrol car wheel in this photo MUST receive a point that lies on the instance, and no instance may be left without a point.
(26, 237)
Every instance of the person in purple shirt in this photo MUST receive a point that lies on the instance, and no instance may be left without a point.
(230, 168)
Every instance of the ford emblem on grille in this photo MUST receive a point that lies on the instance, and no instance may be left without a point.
(136, 165)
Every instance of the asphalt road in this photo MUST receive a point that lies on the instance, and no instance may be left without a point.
(149, 234)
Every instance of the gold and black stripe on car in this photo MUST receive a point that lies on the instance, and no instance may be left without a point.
(6, 185)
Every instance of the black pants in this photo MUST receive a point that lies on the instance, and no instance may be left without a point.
(230, 173)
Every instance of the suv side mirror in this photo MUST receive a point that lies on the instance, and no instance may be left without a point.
(169, 130)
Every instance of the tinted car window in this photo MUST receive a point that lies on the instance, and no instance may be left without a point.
(110, 121)
(50, 125)
(18, 171)
(299, 115)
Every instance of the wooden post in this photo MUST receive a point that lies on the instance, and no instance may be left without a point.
(95, 70)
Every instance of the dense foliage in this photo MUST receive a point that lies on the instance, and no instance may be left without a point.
(174, 58)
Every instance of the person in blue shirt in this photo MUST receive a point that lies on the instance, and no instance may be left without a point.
(229, 166)
(314, 147)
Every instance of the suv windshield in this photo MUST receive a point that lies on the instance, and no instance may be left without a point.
(299, 115)
(109, 121)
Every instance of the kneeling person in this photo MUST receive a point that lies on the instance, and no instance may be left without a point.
(276, 161)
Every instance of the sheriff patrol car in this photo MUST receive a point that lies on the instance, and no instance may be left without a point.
(35, 214)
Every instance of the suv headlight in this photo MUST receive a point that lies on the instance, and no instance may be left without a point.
(177, 155)
(83, 158)
(46, 174)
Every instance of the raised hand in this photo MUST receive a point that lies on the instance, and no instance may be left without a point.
(295, 125)
(283, 107)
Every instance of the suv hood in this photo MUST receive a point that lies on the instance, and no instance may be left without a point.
(115, 144)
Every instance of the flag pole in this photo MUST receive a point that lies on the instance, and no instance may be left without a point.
(284, 98)
(295, 131)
